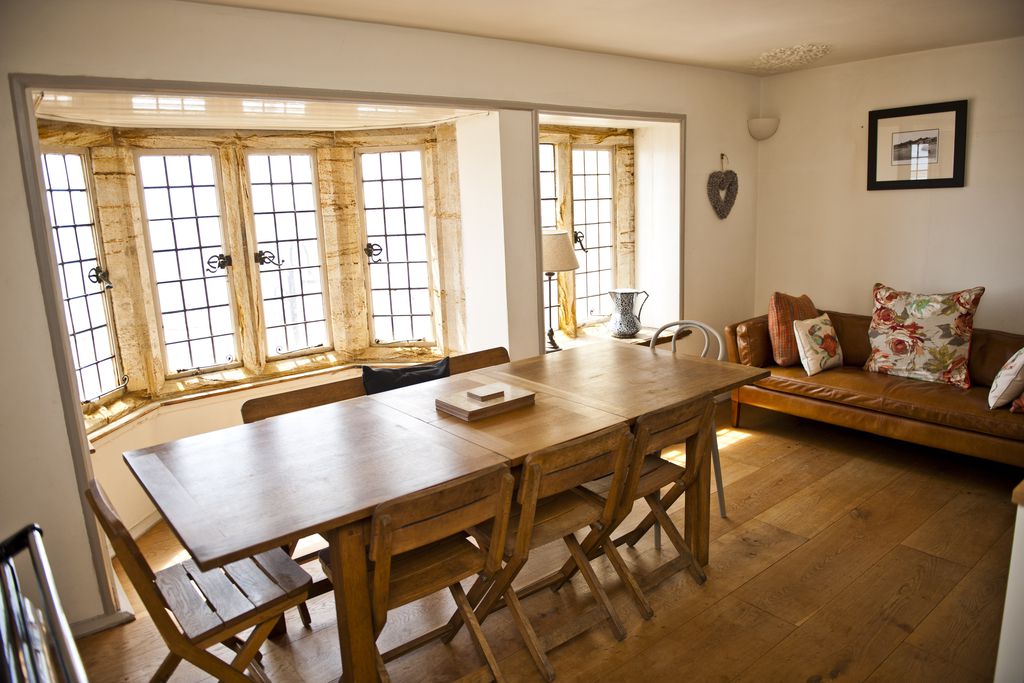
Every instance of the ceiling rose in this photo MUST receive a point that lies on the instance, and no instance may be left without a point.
(783, 58)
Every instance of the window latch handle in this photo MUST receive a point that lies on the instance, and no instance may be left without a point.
(217, 262)
(371, 250)
(577, 237)
(267, 257)
(100, 277)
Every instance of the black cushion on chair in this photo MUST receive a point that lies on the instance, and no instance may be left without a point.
(376, 380)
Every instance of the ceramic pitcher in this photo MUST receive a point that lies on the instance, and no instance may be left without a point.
(624, 323)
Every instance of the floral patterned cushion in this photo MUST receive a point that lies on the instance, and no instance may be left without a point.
(1017, 406)
(819, 347)
(1009, 382)
(923, 336)
(783, 309)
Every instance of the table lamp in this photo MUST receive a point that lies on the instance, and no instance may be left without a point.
(557, 256)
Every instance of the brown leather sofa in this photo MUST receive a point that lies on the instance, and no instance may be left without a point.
(926, 413)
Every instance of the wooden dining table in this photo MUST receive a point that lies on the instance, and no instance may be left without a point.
(235, 492)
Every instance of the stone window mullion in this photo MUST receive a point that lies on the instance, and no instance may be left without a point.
(120, 220)
(239, 236)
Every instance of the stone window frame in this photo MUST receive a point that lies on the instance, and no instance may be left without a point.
(110, 157)
(620, 140)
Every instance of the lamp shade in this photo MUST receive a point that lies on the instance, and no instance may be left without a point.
(762, 129)
(557, 254)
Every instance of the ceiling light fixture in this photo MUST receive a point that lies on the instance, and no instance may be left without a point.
(783, 58)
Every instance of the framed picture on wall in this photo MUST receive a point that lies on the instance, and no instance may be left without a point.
(915, 147)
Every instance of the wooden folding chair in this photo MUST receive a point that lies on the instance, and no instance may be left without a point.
(649, 475)
(194, 610)
(419, 545)
(551, 506)
(263, 407)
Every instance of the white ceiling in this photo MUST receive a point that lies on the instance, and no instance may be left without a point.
(726, 35)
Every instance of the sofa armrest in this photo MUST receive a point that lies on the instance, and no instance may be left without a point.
(747, 342)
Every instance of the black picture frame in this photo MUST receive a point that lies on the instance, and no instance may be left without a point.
(933, 124)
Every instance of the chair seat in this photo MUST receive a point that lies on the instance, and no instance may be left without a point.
(557, 516)
(420, 572)
(204, 603)
(656, 474)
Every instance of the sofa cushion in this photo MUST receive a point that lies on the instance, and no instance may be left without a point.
(783, 310)
(926, 401)
(923, 336)
(819, 348)
(1009, 383)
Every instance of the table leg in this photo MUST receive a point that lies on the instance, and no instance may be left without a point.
(352, 604)
(697, 529)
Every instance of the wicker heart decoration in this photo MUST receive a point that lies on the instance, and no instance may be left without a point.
(722, 189)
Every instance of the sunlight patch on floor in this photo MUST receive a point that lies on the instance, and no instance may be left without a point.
(726, 437)
(177, 558)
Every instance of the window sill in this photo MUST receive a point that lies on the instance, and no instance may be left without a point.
(106, 418)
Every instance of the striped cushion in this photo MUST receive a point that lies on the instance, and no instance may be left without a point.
(783, 310)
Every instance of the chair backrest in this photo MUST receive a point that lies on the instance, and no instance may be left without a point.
(478, 359)
(694, 325)
(441, 511)
(132, 561)
(566, 466)
(669, 426)
(309, 397)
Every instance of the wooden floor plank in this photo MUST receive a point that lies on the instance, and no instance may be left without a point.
(720, 643)
(815, 507)
(798, 585)
(750, 496)
(909, 664)
(854, 633)
(964, 529)
(964, 628)
(738, 556)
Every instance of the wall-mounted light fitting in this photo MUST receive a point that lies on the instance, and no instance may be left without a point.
(762, 128)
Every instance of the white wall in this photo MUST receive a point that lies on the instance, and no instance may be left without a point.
(180, 41)
(520, 219)
(483, 275)
(657, 148)
(499, 234)
(820, 232)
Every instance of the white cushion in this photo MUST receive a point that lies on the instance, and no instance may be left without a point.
(818, 344)
(1009, 382)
